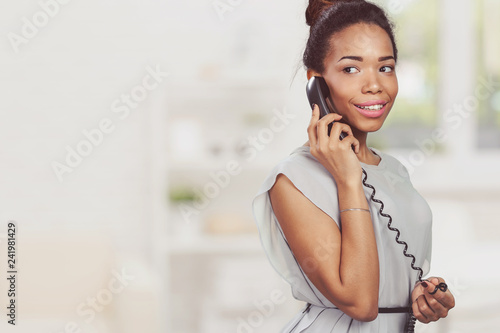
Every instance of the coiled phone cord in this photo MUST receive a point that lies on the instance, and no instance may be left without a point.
(410, 325)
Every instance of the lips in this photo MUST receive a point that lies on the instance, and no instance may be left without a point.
(374, 102)
(371, 109)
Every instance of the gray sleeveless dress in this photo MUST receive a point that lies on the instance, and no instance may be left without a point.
(411, 215)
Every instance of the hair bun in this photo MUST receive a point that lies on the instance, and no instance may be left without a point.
(315, 8)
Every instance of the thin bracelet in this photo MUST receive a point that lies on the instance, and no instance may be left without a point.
(361, 209)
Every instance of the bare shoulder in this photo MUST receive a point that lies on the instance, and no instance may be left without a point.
(288, 201)
(313, 236)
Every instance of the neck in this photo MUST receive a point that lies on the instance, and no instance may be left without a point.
(365, 155)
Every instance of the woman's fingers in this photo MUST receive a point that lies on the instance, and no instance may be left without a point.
(416, 311)
(322, 127)
(435, 280)
(334, 154)
(349, 141)
(318, 128)
(432, 303)
(423, 311)
(438, 292)
(311, 129)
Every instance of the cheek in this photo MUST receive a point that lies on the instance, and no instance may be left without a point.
(394, 88)
(341, 93)
(340, 88)
(341, 102)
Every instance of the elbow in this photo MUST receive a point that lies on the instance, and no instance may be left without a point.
(367, 311)
(360, 305)
(366, 314)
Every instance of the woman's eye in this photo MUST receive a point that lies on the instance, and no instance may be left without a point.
(350, 70)
(387, 69)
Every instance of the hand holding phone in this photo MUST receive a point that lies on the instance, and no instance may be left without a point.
(318, 93)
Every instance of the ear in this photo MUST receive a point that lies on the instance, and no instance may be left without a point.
(311, 73)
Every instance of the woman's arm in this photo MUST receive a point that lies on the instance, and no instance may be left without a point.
(344, 267)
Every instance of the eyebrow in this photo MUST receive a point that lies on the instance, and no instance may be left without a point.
(361, 58)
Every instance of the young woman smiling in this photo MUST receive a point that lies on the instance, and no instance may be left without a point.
(320, 226)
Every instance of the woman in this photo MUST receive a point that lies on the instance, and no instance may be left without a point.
(319, 225)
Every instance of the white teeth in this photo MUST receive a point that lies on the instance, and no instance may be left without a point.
(371, 107)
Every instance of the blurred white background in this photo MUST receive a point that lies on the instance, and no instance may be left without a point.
(135, 134)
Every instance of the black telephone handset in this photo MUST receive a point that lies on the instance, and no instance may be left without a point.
(318, 93)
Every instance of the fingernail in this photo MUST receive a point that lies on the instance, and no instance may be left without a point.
(313, 107)
(424, 284)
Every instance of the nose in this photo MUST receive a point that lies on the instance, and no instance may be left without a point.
(372, 83)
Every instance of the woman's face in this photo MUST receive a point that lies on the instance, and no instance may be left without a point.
(360, 71)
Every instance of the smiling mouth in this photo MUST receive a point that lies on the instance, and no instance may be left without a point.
(376, 107)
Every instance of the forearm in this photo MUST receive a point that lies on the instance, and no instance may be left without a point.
(359, 266)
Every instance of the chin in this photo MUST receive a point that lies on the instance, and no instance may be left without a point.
(374, 128)
(371, 125)
(369, 130)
